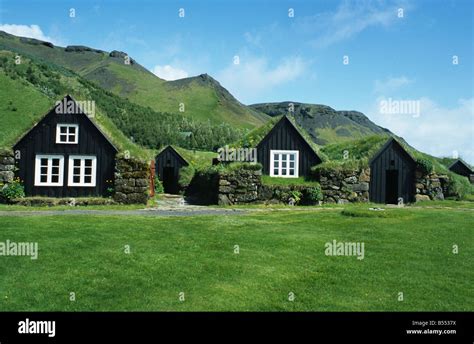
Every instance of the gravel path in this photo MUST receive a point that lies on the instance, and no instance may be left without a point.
(144, 212)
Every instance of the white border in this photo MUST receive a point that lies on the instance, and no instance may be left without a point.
(38, 170)
(71, 167)
(58, 133)
(296, 152)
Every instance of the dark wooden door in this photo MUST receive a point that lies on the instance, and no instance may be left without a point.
(391, 180)
(170, 184)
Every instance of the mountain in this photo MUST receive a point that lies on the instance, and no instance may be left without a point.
(203, 97)
(324, 124)
(30, 88)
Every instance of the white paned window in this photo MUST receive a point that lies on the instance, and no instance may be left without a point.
(49, 170)
(284, 163)
(67, 133)
(82, 170)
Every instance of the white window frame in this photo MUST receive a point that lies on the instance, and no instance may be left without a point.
(48, 182)
(82, 168)
(65, 125)
(280, 168)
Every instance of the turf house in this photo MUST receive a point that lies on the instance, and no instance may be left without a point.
(168, 164)
(392, 174)
(65, 155)
(462, 168)
(285, 153)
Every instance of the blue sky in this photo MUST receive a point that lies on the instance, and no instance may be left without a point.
(391, 56)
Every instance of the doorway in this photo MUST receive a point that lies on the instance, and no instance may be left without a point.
(391, 187)
(170, 184)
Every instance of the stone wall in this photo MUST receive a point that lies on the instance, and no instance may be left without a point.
(244, 186)
(132, 182)
(429, 187)
(7, 167)
(343, 186)
(239, 187)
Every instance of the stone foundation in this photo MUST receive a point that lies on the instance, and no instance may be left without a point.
(132, 182)
(429, 187)
(7, 167)
(239, 187)
(344, 186)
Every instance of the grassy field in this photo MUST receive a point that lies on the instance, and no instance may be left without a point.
(407, 250)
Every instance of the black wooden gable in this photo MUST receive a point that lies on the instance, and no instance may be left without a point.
(41, 141)
(167, 165)
(392, 143)
(461, 168)
(286, 136)
(392, 174)
(168, 155)
(78, 117)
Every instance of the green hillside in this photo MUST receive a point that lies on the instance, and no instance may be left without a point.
(22, 105)
(30, 88)
(203, 97)
(324, 124)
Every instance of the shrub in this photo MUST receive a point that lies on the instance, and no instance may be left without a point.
(296, 195)
(158, 186)
(284, 195)
(458, 186)
(425, 166)
(186, 174)
(312, 195)
(12, 190)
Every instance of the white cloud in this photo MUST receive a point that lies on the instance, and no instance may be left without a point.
(391, 84)
(350, 18)
(254, 75)
(438, 130)
(168, 72)
(31, 31)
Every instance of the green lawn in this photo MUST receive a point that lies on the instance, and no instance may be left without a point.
(407, 250)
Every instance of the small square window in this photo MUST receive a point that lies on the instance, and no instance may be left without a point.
(67, 133)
